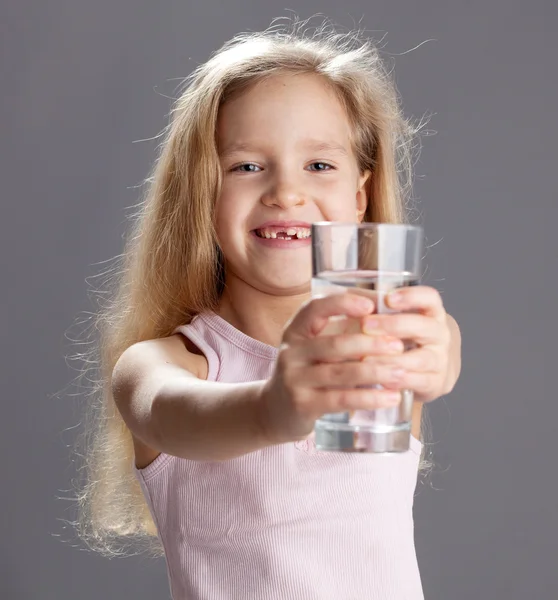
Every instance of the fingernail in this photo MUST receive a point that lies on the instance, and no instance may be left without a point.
(398, 373)
(370, 325)
(396, 345)
(364, 303)
(393, 398)
(395, 298)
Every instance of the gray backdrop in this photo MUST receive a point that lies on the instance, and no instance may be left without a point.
(78, 83)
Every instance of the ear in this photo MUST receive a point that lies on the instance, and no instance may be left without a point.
(363, 193)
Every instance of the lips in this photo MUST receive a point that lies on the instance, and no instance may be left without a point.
(285, 230)
(299, 233)
(283, 234)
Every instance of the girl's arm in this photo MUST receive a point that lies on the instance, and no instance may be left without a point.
(160, 388)
(169, 409)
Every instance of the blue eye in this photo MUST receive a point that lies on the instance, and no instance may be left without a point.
(322, 166)
(246, 168)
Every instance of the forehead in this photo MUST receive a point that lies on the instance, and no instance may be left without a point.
(281, 107)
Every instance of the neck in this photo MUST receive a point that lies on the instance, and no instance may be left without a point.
(257, 314)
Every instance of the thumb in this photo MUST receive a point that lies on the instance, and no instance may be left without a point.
(311, 319)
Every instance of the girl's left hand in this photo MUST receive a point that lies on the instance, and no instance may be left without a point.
(432, 368)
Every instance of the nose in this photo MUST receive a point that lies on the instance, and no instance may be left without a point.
(283, 194)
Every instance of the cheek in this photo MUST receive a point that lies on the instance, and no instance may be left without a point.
(227, 206)
(233, 203)
(222, 217)
(340, 204)
(230, 222)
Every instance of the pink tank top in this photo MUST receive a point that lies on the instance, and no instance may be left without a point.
(286, 522)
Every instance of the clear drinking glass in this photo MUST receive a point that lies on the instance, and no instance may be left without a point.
(370, 259)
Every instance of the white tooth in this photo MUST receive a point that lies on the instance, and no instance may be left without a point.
(273, 234)
(267, 234)
(291, 232)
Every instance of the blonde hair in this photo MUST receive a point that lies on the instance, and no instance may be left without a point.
(171, 268)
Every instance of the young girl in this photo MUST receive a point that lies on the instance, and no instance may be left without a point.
(214, 372)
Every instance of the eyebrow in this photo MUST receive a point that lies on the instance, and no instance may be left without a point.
(324, 145)
(311, 144)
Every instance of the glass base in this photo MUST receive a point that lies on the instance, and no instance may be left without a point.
(339, 437)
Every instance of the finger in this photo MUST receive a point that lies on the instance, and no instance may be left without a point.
(345, 347)
(424, 299)
(309, 321)
(425, 385)
(423, 359)
(349, 375)
(422, 329)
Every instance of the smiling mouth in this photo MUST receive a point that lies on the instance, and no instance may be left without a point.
(284, 233)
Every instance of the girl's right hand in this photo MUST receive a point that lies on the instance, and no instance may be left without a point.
(317, 374)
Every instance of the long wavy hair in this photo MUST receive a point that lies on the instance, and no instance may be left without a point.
(171, 268)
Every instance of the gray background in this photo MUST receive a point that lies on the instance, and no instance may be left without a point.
(77, 85)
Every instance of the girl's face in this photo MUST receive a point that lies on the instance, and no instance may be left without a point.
(287, 160)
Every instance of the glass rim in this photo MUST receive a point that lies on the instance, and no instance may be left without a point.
(366, 225)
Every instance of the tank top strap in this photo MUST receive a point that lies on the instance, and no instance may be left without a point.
(232, 356)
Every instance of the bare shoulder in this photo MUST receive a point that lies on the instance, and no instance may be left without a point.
(173, 351)
(141, 369)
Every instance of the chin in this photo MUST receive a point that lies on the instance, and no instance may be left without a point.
(287, 286)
